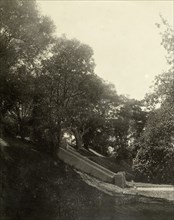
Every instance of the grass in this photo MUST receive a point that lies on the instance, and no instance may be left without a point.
(110, 164)
(34, 187)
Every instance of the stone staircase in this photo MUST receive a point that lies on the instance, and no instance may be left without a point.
(82, 163)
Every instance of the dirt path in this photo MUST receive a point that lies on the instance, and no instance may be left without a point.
(148, 190)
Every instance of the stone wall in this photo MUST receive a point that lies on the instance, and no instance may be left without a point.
(85, 165)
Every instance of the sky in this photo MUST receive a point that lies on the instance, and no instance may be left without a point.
(123, 35)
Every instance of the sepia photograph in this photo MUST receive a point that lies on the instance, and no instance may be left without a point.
(86, 109)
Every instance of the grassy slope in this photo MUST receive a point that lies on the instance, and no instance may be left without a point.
(109, 163)
(33, 187)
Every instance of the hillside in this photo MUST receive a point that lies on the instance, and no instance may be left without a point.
(33, 186)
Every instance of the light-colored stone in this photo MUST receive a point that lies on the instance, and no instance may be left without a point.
(119, 179)
(85, 165)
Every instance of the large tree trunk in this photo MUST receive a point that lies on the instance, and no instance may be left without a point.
(56, 141)
(78, 137)
(1, 125)
(21, 129)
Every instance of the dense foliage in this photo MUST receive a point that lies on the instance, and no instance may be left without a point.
(155, 159)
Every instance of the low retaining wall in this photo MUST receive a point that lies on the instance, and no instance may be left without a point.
(85, 165)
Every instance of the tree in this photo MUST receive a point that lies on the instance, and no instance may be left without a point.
(99, 123)
(25, 36)
(155, 157)
(64, 81)
(84, 109)
(163, 88)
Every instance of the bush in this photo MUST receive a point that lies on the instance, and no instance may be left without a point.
(155, 164)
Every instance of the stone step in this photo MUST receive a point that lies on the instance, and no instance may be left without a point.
(83, 164)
